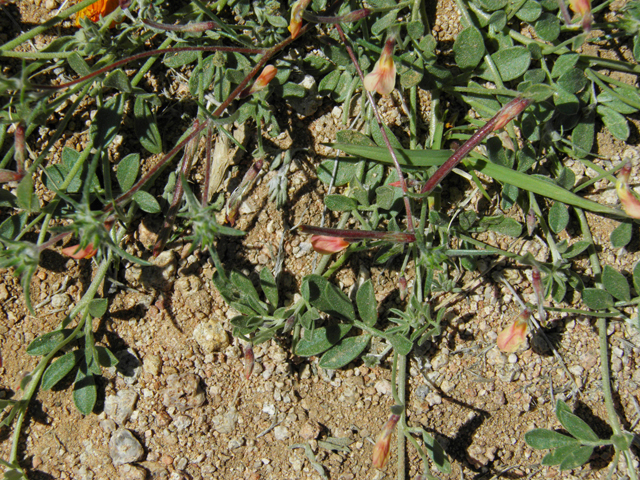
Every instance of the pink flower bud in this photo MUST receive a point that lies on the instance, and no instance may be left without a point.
(383, 77)
(268, 73)
(510, 111)
(328, 245)
(76, 252)
(512, 337)
(582, 7)
(630, 203)
(381, 449)
(537, 288)
(532, 221)
(249, 361)
(402, 283)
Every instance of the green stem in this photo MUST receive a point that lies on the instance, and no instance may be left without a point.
(401, 374)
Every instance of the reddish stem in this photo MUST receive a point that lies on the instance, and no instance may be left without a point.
(504, 116)
(357, 235)
(407, 205)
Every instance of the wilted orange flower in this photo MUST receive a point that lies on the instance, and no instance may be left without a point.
(381, 449)
(328, 245)
(297, 10)
(510, 339)
(268, 73)
(74, 251)
(628, 200)
(97, 10)
(383, 77)
(582, 7)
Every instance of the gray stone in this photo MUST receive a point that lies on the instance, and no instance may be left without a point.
(225, 423)
(124, 448)
(211, 336)
(182, 422)
(120, 407)
(183, 392)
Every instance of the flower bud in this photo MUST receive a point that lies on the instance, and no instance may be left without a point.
(268, 73)
(512, 337)
(328, 245)
(381, 449)
(297, 10)
(78, 253)
(630, 203)
(249, 361)
(583, 7)
(383, 77)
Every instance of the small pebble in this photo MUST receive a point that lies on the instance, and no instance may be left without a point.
(513, 358)
(124, 448)
(51, 4)
(211, 336)
(60, 300)
(281, 432)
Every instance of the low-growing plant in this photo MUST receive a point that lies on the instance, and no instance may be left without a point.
(528, 102)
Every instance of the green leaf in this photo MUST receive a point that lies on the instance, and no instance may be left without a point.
(379, 139)
(538, 92)
(615, 283)
(59, 369)
(385, 22)
(541, 439)
(548, 27)
(636, 277)
(508, 226)
(366, 302)
(340, 203)
(468, 48)
(415, 30)
(85, 392)
(615, 122)
(44, 344)
(530, 11)
(107, 120)
(492, 5)
(321, 339)
(179, 59)
(623, 440)
(329, 82)
(597, 299)
(386, 196)
(269, 287)
(576, 457)
(243, 284)
(558, 217)
(105, 357)
(118, 80)
(344, 173)
(436, 453)
(98, 307)
(146, 125)
(511, 63)
(335, 302)
(345, 351)
(574, 424)
(78, 64)
(573, 80)
(583, 135)
(566, 102)
(576, 249)
(146, 202)
(128, 171)
(27, 199)
(355, 138)
(564, 64)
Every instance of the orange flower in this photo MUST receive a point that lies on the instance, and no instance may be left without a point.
(628, 200)
(381, 449)
(74, 251)
(297, 10)
(510, 339)
(97, 10)
(582, 7)
(268, 73)
(328, 245)
(383, 77)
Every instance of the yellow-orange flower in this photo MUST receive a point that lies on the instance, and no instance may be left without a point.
(74, 251)
(381, 449)
(383, 77)
(628, 200)
(582, 7)
(510, 339)
(97, 10)
(297, 10)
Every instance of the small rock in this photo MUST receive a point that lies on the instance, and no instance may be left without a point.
(513, 358)
(124, 448)
(60, 300)
(281, 432)
(161, 275)
(120, 407)
(188, 285)
(447, 386)
(235, 442)
(211, 336)
(309, 431)
(51, 4)
(108, 425)
(383, 387)
(433, 399)
(152, 365)
(181, 463)
(296, 463)
(440, 360)
(182, 422)
(4, 293)
(183, 392)
(128, 366)
(225, 423)
(577, 370)
(131, 472)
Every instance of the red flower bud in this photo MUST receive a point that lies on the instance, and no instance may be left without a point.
(383, 77)
(78, 253)
(628, 200)
(512, 337)
(328, 245)
(381, 449)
